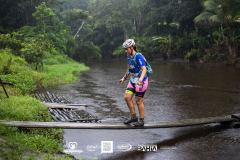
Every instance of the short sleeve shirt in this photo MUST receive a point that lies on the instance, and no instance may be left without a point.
(135, 63)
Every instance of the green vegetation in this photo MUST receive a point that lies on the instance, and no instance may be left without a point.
(224, 18)
(28, 143)
(54, 73)
(26, 80)
(16, 70)
(22, 144)
(32, 58)
(23, 108)
(18, 142)
(38, 38)
(198, 30)
(91, 29)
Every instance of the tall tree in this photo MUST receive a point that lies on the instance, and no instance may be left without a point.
(17, 13)
(226, 15)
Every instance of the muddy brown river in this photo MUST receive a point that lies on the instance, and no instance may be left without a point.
(176, 91)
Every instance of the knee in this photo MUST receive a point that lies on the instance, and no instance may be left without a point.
(139, 101)
(127, 98)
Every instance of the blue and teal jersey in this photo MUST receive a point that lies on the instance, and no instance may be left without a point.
(135, 63)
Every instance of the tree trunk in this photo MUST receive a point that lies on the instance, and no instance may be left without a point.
(79, 29)
(125, 35)
(232, 45)
(232, 57)
(134, 25)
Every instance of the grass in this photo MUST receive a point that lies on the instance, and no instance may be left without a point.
(55, 72)
(23, 108)
(62, 73)
(16, 70)
(32, 143)
(60, 69)
(19, 141)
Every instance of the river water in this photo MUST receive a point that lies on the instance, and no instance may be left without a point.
(176, 91)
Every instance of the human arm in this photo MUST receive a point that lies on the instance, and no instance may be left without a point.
(124, 77)
(143, 73)
(142, 64)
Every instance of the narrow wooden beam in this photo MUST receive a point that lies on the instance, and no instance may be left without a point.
(69, 106)
(236, 116)
(161, 124)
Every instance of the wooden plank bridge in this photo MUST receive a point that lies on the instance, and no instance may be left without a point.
(235, 118)
(66, 106)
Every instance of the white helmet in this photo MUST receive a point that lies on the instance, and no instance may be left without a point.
(128, 43)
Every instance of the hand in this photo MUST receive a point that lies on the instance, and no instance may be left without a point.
(121, 81)
(139, 83)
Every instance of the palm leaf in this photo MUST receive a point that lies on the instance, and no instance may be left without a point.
(215, 19)
(211, 5)
(203, 17)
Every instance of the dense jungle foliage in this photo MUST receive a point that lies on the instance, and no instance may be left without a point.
(38, 38)
(197, 30)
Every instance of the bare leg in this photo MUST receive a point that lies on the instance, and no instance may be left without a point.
(140, 104)
(128, 98)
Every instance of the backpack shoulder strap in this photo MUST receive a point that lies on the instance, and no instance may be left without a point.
(135, 56)
(138, 53)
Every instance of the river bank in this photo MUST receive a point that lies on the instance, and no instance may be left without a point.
(32, 143)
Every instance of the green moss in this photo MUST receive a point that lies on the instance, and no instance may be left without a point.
(23, 108)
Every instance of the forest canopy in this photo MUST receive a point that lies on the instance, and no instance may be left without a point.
(196, 30)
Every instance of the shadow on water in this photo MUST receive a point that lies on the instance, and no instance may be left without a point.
(184, 135)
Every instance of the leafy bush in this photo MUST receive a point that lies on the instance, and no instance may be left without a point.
(215, 54)
(34, 50)
(88, 51)
(118, 51)
(147, 45)
(48, 36)
(53, 29)
(18, 142)
(193, 55)
(18, 72)
(50, 59)
(9, 41)
(198, 41)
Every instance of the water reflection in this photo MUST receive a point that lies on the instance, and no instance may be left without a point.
(176, 91)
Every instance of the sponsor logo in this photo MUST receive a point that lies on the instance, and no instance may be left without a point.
(91, 148)
(147, 148)
(124, 147)
(72, 148)
(106, 146)
(168, 148)
(72, 145)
